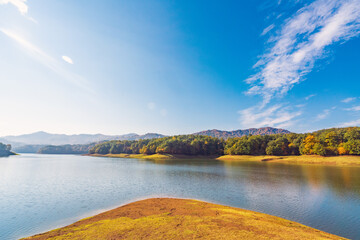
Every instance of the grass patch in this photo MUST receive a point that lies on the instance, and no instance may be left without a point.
(153, 156)
(164, 218)
(302, 160)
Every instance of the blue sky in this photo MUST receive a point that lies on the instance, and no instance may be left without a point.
(177, 67)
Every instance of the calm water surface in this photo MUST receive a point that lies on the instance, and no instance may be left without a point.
(42, 192)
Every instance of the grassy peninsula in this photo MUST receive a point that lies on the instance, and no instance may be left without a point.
(165, 218)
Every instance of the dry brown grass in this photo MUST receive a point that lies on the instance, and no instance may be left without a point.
(164, 218)
(153, 156)
(303, 159)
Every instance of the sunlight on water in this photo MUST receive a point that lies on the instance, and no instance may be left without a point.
(41, 192)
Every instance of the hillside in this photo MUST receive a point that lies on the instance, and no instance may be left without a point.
(66, 149)
(164, 218)
(31, 143)
(239, 133)
(27, 148)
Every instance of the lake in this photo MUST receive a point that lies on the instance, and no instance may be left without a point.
(42, 192)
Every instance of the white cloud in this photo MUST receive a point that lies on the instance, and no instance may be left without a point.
(274, 116)
(355, 109)
(268, 29)
(151, 105)
(301, 41)
(48, 61)
(19, 4)
(67, 59)
(310, 96)
(351, 124)
(323, 115)
(347, 100)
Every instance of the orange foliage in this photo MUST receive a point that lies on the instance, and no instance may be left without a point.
(342, 151)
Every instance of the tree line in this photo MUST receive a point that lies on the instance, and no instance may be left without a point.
(327, 142)
(183, 144)
(66, 149)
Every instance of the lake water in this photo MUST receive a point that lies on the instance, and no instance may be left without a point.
(42, 192)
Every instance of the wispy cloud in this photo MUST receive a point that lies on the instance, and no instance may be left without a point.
(48, 61)
(301, 41)
(323, 115)
(351, 124)
(355, 109)
(274, 116)
(268, 29)
(19, 4)
(67, 59)
(347, 100)
(310, 96)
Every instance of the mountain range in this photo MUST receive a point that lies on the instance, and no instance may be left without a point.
(44, 138)
(239, 133)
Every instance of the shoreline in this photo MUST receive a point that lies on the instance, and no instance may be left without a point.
(153, 156)
(344, 160)
(172, 218)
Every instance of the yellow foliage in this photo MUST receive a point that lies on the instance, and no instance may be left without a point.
(309, 143)
(342, 151)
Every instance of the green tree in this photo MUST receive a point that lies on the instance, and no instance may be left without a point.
(332, 139)
(352, 147)
(278, 147)
(318, 149)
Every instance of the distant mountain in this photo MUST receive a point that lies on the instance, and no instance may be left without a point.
(13, 144)
(239, 133)
(44, 138)
(37, 140)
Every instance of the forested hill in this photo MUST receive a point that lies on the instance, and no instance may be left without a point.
(38, 140)
(239, 133)
(327, 142)
(66, 149)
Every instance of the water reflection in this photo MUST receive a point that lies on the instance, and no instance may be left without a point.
(341, 180)
(325, 197)
(40, 192)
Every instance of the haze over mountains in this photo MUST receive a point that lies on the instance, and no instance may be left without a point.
(44, 138)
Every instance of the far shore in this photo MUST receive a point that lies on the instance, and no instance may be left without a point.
(154, 156)
(170, 218)
(345, 160)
